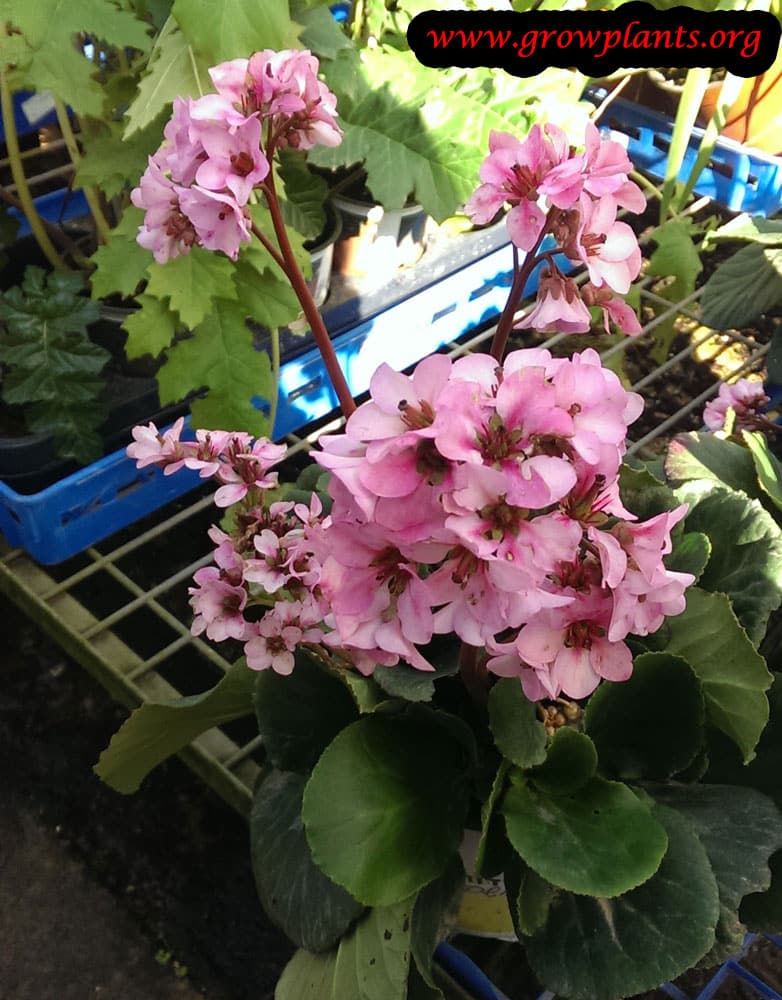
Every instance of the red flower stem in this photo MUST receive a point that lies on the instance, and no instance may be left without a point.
(520, 278)
(270, 249)
(317, 326)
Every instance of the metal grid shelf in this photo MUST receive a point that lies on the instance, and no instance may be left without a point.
(119, 608)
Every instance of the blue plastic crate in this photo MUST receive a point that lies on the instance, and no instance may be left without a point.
(740, 179)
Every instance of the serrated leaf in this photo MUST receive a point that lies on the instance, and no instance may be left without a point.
(150, 329)
(111, 163)
(266, 298)
(385, 806)
(157, 730)
(640, 939)
(298, 716)
(73, 427)
(220, 356)
(750, 228)
(403, 681)
(121, 265)
(767, 466)
(305, 192)
(650, 726)
(740, 829)
(733, 675)
(742, 288)
(514, 723)
(233, 28)
(191, 283)
(294, 892)
(745, 562)
(173, 70)
(600, 840)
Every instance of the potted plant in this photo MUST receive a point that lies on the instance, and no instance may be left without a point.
(469, 615)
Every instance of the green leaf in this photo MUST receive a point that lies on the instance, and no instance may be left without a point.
(73, 427)
(740, 829)
(600, 841)
(489, 824)
(266, 298)
(762, 912)
(529, 898)
(650, 726)
(677, 257)
(571, 762)
(221, 357)
(121, 265)
(514, 724)
(435, 915)
(192, 282)
(700, 455)
(157, 730)
(403, 681)
(50, 58)
(298, 716)
(321, 33)
(173, 70)
(767, 466)
(601, 949)
(733, 675)
(384, 808)
(233, 28)
(643, 494)
(691, 553)
(294, 892)
(305, 192)
(150, 329)
(750, 228)
(742, 288)
(745, 562)
(307, 977)
(374, 959)
(111, 163)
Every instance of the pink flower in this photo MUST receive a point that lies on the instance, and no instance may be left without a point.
(615, 310)
(219, 221)
(608, 248)
(150, 447)
(559, 306)
(747, 399)
(218, 606)
(275, 638)
(167, 230)
(234, 159)
(184, 154)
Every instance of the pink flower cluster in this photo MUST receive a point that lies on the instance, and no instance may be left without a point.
(573, 197)
(747, 399)
(468, 498)
(219, 148)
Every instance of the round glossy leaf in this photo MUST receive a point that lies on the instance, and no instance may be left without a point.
(570, 763)
(650, 726)
(601, 949)
(600, 840)
(517, 731)
(294, 892)
(385, 806)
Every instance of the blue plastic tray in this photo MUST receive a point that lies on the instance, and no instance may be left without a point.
(740, 179)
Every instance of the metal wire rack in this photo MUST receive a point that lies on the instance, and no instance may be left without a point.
(120, 608)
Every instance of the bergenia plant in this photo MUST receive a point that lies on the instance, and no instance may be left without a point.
(485, 620)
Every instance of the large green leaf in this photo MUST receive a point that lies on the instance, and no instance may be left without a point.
(746, 555)
(748, 228)
(650, 726)
(603, 949)
(266, 297)
(233, 28)
(173, 70)
(307, 977)
(220, 356)
(601, 840)
(305, 192)
(767, 466)
(740, 829)
(157, 730)
(294, 892)
(121, 265)
(48, 56)
(700, 455)
(743, 287)
(643, 493)
(733, 675)
(150, 329)
(374, 959)
(298, 716)
(111, 163)
(385, 806)
(514, 723)
(191, 282)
